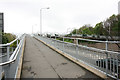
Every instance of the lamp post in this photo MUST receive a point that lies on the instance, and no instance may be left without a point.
(41, 19)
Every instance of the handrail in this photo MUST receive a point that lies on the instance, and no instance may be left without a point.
(91, 48)
(3, 45)
(14, 55)
(91, 40)
(8, 44)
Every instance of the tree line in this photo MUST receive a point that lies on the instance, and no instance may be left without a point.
(109, 27)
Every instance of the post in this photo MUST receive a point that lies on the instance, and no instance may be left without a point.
(8, 52)
(106, 43)
(118, 69)
(77, 47)
(12, 49)
(17, 42)
(63, 43)
(55, 42)
(40, 21)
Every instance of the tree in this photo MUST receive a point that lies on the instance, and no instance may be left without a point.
(98, 29)
(112, 27)
(7, 37)
(74, 31)
(86, 29)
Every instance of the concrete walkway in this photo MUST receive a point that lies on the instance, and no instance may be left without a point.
(42, 62)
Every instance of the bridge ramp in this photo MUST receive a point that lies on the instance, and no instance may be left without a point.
(42, 62)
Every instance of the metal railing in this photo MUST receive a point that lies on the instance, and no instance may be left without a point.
(107, 62)
(10, 57)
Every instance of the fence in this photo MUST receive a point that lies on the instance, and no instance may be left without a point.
(10, 57)
(107, 62)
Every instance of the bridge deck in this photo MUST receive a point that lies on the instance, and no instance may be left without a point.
(42, 62)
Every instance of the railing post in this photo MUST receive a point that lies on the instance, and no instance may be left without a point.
(55, 42)
(106, 44)
(63, 43)
(77, 48)
(12, 49)
(8, 52)
(17, 42)
(118, 69)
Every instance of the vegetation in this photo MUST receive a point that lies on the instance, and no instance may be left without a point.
(7, 38)
(110, 27)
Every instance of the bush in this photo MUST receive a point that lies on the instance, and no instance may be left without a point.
(7, 38)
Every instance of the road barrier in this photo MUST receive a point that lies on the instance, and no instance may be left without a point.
(96, 60)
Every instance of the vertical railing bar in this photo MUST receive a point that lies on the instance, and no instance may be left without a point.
(100, 60)
(76, 48)
(110, 63)
(106, 63)
(17, 42)
(94, 57)
(103, 59)
(117, 67)
(106, 46)
(12, 49)
(63, 43)
(113, 65)
(8, 52)
(55, 42)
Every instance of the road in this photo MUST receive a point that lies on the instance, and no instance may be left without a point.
(42, 62)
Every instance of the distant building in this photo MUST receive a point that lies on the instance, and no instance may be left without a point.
(119, 7)
(1, 22)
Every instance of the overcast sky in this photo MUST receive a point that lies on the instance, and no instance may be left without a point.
(63, 15)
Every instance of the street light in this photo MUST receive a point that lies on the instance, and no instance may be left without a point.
(41, 19)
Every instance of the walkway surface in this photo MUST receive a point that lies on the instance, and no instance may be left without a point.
(42, 62)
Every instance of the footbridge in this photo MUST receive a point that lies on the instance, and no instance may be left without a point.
(42, 57)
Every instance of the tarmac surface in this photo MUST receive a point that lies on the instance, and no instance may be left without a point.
(42, 62)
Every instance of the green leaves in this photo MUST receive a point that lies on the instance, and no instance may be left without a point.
(111, 27)
(7, 37)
